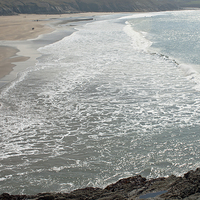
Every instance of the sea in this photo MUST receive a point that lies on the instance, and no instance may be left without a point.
(118, 97)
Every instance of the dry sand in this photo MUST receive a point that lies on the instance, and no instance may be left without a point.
(23, 27)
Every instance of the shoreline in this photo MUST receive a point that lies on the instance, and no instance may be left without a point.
(113, 187)
(131, 188)
(8, 55)
(22, 35)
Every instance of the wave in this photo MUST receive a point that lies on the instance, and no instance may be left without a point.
(102, 106)
(139, 42)
(11, 85)
(191, 74)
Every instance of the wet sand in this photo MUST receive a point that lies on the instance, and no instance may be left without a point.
(22, 35)
(7, 57)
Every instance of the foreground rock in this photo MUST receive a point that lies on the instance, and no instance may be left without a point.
(136, 187)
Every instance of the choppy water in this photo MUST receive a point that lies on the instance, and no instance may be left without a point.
(100, 105)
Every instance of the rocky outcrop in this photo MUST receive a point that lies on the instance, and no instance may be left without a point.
(70, 6)
(136, 187)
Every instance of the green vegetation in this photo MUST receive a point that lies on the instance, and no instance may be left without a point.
(10, 7)
(189, 3)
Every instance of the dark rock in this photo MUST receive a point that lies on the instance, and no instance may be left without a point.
(46, 197)
(186, 187)
(6, 196)
(127, 184)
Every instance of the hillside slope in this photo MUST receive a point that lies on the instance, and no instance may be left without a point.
(10, 7)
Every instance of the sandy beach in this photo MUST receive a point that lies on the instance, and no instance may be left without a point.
(7, 57)
(18, 31)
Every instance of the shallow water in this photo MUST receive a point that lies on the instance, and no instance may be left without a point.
(100, 105)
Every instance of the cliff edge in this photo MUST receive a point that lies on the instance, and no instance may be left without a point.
(12, 7)
(136, 187)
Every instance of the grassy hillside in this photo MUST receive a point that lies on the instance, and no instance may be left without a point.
(189, 3)
(10, 7)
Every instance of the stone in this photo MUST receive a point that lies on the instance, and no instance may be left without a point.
(135, 187)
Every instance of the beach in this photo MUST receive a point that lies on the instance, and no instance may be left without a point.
(21, 36)
(94, 104)
(6, 54)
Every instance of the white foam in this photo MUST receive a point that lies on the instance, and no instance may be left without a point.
(139, 42)
(98, 105)
(20, 77)
(191, 74)
(141, 15)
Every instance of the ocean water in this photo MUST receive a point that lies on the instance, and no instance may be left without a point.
(118, 97)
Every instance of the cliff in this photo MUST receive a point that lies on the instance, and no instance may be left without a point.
(11, 7)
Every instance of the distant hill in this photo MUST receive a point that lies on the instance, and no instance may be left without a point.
(184, 4)
(11, 7)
